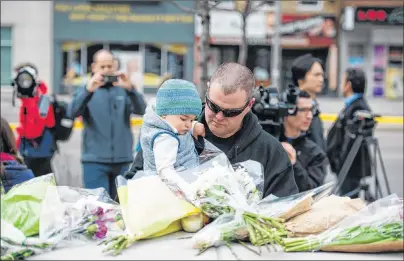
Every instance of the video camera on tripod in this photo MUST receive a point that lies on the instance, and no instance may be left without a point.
(271, 107)
(360, 131)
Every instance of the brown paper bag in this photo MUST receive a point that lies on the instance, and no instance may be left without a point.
(323, 215)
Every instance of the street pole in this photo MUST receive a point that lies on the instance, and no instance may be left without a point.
(276, 50)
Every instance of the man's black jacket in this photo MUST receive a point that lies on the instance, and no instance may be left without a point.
(253, 143)
(340, 141)
(311, 163)
(316, 131)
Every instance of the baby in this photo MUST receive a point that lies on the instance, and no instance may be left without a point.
(166, 134)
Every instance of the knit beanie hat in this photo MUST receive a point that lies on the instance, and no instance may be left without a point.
(178, 97)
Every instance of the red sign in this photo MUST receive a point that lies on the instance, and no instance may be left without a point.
(372, 15)
(380, 15)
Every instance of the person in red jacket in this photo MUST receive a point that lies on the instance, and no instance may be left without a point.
(35, 137)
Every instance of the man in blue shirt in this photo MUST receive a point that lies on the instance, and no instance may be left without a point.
(106, 108)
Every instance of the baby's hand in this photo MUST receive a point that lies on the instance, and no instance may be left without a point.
(199, 130)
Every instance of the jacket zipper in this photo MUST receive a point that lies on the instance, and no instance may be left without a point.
(112, 126)
(236, 152)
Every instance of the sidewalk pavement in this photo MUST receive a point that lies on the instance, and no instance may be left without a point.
(381, 106)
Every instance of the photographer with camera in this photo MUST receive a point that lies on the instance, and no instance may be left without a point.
(106, 105)
(308, 159)
(308, 75)
(339, 139)
(36, 141)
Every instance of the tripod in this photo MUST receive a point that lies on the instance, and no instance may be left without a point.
(363, 143)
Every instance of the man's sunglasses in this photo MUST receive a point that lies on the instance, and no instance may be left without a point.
(228, 113)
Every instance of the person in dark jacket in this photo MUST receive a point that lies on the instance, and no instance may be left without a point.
(353, 87)
(12, 168)
(233, 128)
(308, 75)
(106, 110)
(309, 160)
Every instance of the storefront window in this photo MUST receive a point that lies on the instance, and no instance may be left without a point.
(144, 63)
(394, 73)
(176, 60)
(356, 54)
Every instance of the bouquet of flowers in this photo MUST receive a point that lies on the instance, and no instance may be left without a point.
(70, 212)
(376, 228)
(226, 195)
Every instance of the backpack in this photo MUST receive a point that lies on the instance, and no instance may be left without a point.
(63, 124)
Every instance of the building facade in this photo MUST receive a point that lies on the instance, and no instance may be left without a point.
(150, 38)
(372, 39)
(307, 26)
(26, 36)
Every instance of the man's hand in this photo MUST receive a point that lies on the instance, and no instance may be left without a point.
(199, 130)
(124, 82)
(291, 152)
(95, 82)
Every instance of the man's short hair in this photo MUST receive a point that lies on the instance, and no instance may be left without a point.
(233, 77)
(301, 65)
(95, 56)
(357, 79)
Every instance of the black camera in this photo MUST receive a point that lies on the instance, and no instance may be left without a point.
(25, 82)
(110, 79)
(271, 107)
(363, 122)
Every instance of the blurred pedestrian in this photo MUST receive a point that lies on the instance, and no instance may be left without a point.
(12, 169)
(106, 105)
(341, 135)
(308, 75)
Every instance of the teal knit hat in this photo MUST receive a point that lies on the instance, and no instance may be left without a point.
(178, 97)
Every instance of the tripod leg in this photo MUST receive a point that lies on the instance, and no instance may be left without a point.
(383, 167)
(378, 191)
(348, 163)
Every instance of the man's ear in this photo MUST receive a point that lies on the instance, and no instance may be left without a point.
(300, 83)
(251, 102)
(92, 67)
(348, 86)
(208, 84)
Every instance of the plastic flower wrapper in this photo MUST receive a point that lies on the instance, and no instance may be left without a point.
(376, 228)
(239, 227)
(250, 176)
(16, 246)
(150, 209)
(291, 206)
(223, 230)
(220, 191)
(21, 205)
(71, 213)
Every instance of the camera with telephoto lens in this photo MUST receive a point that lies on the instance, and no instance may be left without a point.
(25, 83)
(271, 107)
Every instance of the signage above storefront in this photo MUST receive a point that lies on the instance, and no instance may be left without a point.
(131, 22)
(296, 29)
(380, 15)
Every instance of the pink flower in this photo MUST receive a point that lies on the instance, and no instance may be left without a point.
(102, 231)
(99, 211)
